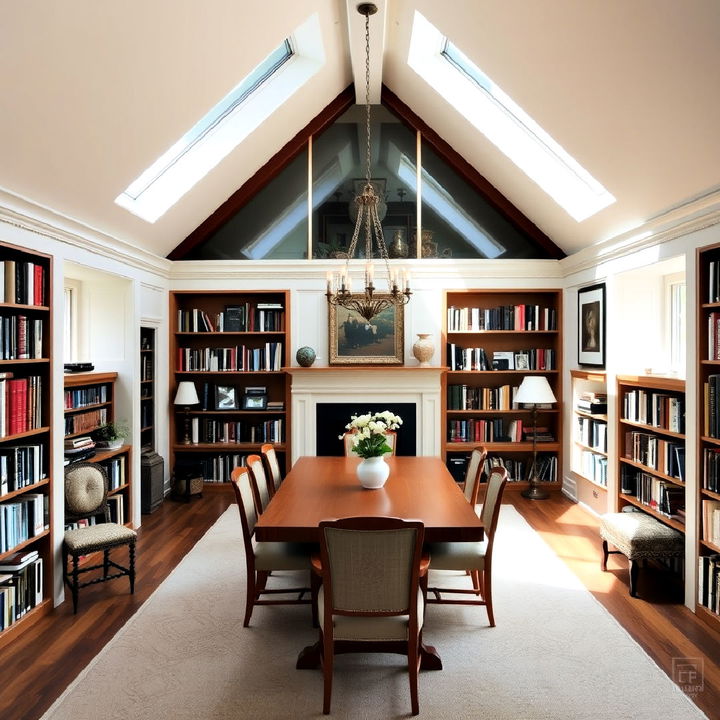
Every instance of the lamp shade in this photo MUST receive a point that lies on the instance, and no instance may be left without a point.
(534, 389)
(186, 394)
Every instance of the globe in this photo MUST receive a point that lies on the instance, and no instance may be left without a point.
(305, 356)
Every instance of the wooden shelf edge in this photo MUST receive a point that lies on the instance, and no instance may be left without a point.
(584, 478)
(24, 544)
(651, 471)
(710, 493)
(225, 447)
(652, 428)
(27, 488)
(590, 449)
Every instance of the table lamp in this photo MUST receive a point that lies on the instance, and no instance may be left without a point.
(186, 395)
(534, 390)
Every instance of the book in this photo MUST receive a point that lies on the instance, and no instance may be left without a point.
(17, 561)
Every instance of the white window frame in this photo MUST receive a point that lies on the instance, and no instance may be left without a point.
(675, 287)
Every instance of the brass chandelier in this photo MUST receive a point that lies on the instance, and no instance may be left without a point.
(339, 286)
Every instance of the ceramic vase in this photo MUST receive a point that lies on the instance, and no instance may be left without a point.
(423, 349)
(373, 472)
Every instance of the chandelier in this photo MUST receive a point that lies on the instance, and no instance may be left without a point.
(339, 285)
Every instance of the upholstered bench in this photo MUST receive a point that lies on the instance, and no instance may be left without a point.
(638, 536)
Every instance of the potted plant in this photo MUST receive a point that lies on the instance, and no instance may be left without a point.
(112, 434)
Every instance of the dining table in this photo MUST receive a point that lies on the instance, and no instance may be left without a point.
(327, 488)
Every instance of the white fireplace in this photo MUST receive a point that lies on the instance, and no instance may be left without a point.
(369, 384)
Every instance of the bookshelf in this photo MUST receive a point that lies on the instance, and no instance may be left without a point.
(147, 388)
(26, 482)
(493, 338)
(708, 423)
(232, 346)
(89, 403)
(589, 452)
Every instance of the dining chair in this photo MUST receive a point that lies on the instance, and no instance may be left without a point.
(261, 558)
(261, 484)
(390, 437)
(272, 467)
(473, 473)
(473, 556)
(371, 599)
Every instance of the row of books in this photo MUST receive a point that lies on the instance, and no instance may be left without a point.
(21, 586)
(115, 469)
(714, 281)
(86, 422)
(232, 359)
(594, 467)
(592, 433)
(21, 466)
(711, 469)
(207, 430)
(709, 582)
(592, 403)
(21, 338)
(656, 453)
(23, 283)
(660, 495)
(20, 404)
(713, 352)
(495, 430)
(469, 397)
(116, 508)
(76, 398)
(248, 317)
(711, 521)
(475, 358)
(22, 518)
(218, 469)
(503, 317)
(711, 406)
(146, 368)
(655, 408)
(516, 467)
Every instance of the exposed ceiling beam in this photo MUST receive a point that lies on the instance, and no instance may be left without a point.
(356, 43)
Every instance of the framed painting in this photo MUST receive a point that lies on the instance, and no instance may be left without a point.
(225, 398)
(591, 326)
(357, 341)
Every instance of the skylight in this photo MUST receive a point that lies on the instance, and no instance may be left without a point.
(465, 86)
(284, 71)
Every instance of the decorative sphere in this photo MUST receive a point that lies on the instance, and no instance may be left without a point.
(305, 356)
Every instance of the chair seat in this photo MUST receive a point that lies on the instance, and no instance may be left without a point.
(97, 537)
(640, 536)
(457, 555)
(283, 555)
(394, 627)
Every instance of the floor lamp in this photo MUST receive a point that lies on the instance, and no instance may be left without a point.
(186, 396)
(535, 390)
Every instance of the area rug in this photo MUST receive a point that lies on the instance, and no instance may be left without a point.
(555, 653)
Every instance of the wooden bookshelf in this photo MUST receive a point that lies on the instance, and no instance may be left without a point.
(588, 457)
(251, 352)
(482, 413)
(26, 425)
(89, 404)
(708, 427)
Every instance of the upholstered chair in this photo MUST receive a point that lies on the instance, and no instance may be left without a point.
(86, 487)
(261, 483)
(390, 437)
(473, 473)
(371, 599)
(475, 557)
(272, 467)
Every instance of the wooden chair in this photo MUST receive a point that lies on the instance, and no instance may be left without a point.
(371, 599)
(86, 488)
(472, 475)
(263, 557)
(473, 556)
(272, 467)
(261, 484)
(390, 437)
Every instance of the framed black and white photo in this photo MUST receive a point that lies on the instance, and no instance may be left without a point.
(225, 397)
(591, 325)
(254, 402)
(522, 361)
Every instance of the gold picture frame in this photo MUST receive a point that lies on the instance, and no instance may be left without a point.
(354, 341)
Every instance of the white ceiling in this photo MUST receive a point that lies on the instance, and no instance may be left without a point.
(92, 92)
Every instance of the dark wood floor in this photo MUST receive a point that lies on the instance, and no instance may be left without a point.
(40, 663)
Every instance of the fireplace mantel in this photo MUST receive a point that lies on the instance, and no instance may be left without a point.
(365, 384)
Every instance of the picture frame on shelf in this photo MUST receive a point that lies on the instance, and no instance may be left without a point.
(357, 341)
(522, 361)
(225, 397)
(252, 401)
(591, 326)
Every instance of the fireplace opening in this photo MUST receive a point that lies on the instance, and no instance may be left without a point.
(331, 419)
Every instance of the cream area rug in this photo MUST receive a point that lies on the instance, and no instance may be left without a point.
(555, 653)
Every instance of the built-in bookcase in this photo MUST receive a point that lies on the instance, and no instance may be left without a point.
(232, 347)
(147, 388)
(26, 461)
(708, 450)
(494, 338)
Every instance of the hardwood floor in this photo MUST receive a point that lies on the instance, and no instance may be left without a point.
(38, 666)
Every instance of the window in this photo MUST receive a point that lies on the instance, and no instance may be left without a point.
(473, 94)
(70, 334)
(676, 325)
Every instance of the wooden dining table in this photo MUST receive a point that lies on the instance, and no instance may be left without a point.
(327, 488)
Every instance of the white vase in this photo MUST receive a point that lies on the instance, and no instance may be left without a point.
(423, 349)
(373, 472)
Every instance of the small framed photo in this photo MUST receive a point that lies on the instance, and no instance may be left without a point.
(254, 402)
(591, 325)
(503, 360)
(522, 361)
(225, 397)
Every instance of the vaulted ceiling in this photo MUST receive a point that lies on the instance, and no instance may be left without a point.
(93, 92)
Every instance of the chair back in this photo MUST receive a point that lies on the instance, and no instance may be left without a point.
(262, 491)
(86, 486)
(390, 439)
(272, 466)
(371, 565)
(493, 497)
(242, 482)
(473, 473)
